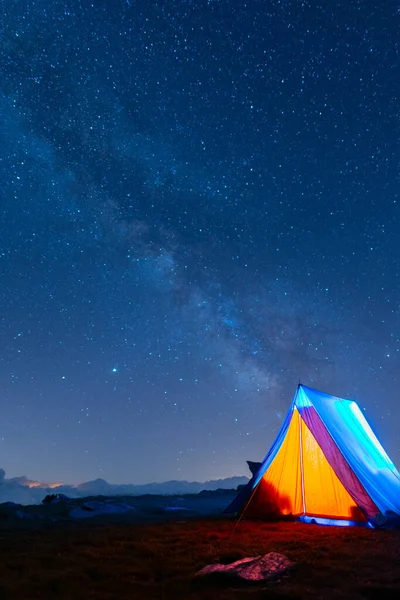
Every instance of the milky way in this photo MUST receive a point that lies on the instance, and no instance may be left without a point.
(200, 207)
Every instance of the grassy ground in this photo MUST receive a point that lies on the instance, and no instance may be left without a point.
(121, 561)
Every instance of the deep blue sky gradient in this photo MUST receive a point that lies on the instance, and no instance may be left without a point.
(200, 206)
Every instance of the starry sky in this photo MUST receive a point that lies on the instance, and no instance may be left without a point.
(199, 208)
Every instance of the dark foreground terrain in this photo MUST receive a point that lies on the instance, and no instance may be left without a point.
(96, 560)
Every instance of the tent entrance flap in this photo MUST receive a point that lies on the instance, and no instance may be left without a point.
(325, 494)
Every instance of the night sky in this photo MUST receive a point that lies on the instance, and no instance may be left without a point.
(199, 208)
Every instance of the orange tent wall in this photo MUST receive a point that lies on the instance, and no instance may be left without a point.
(325, 494)
(280, 487)
(300, 481)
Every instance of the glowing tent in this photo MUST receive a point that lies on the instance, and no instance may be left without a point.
(326, 466)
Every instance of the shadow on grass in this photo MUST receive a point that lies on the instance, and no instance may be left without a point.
(227, 581)
(380, 593)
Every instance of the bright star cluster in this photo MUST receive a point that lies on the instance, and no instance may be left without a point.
(200, 207)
